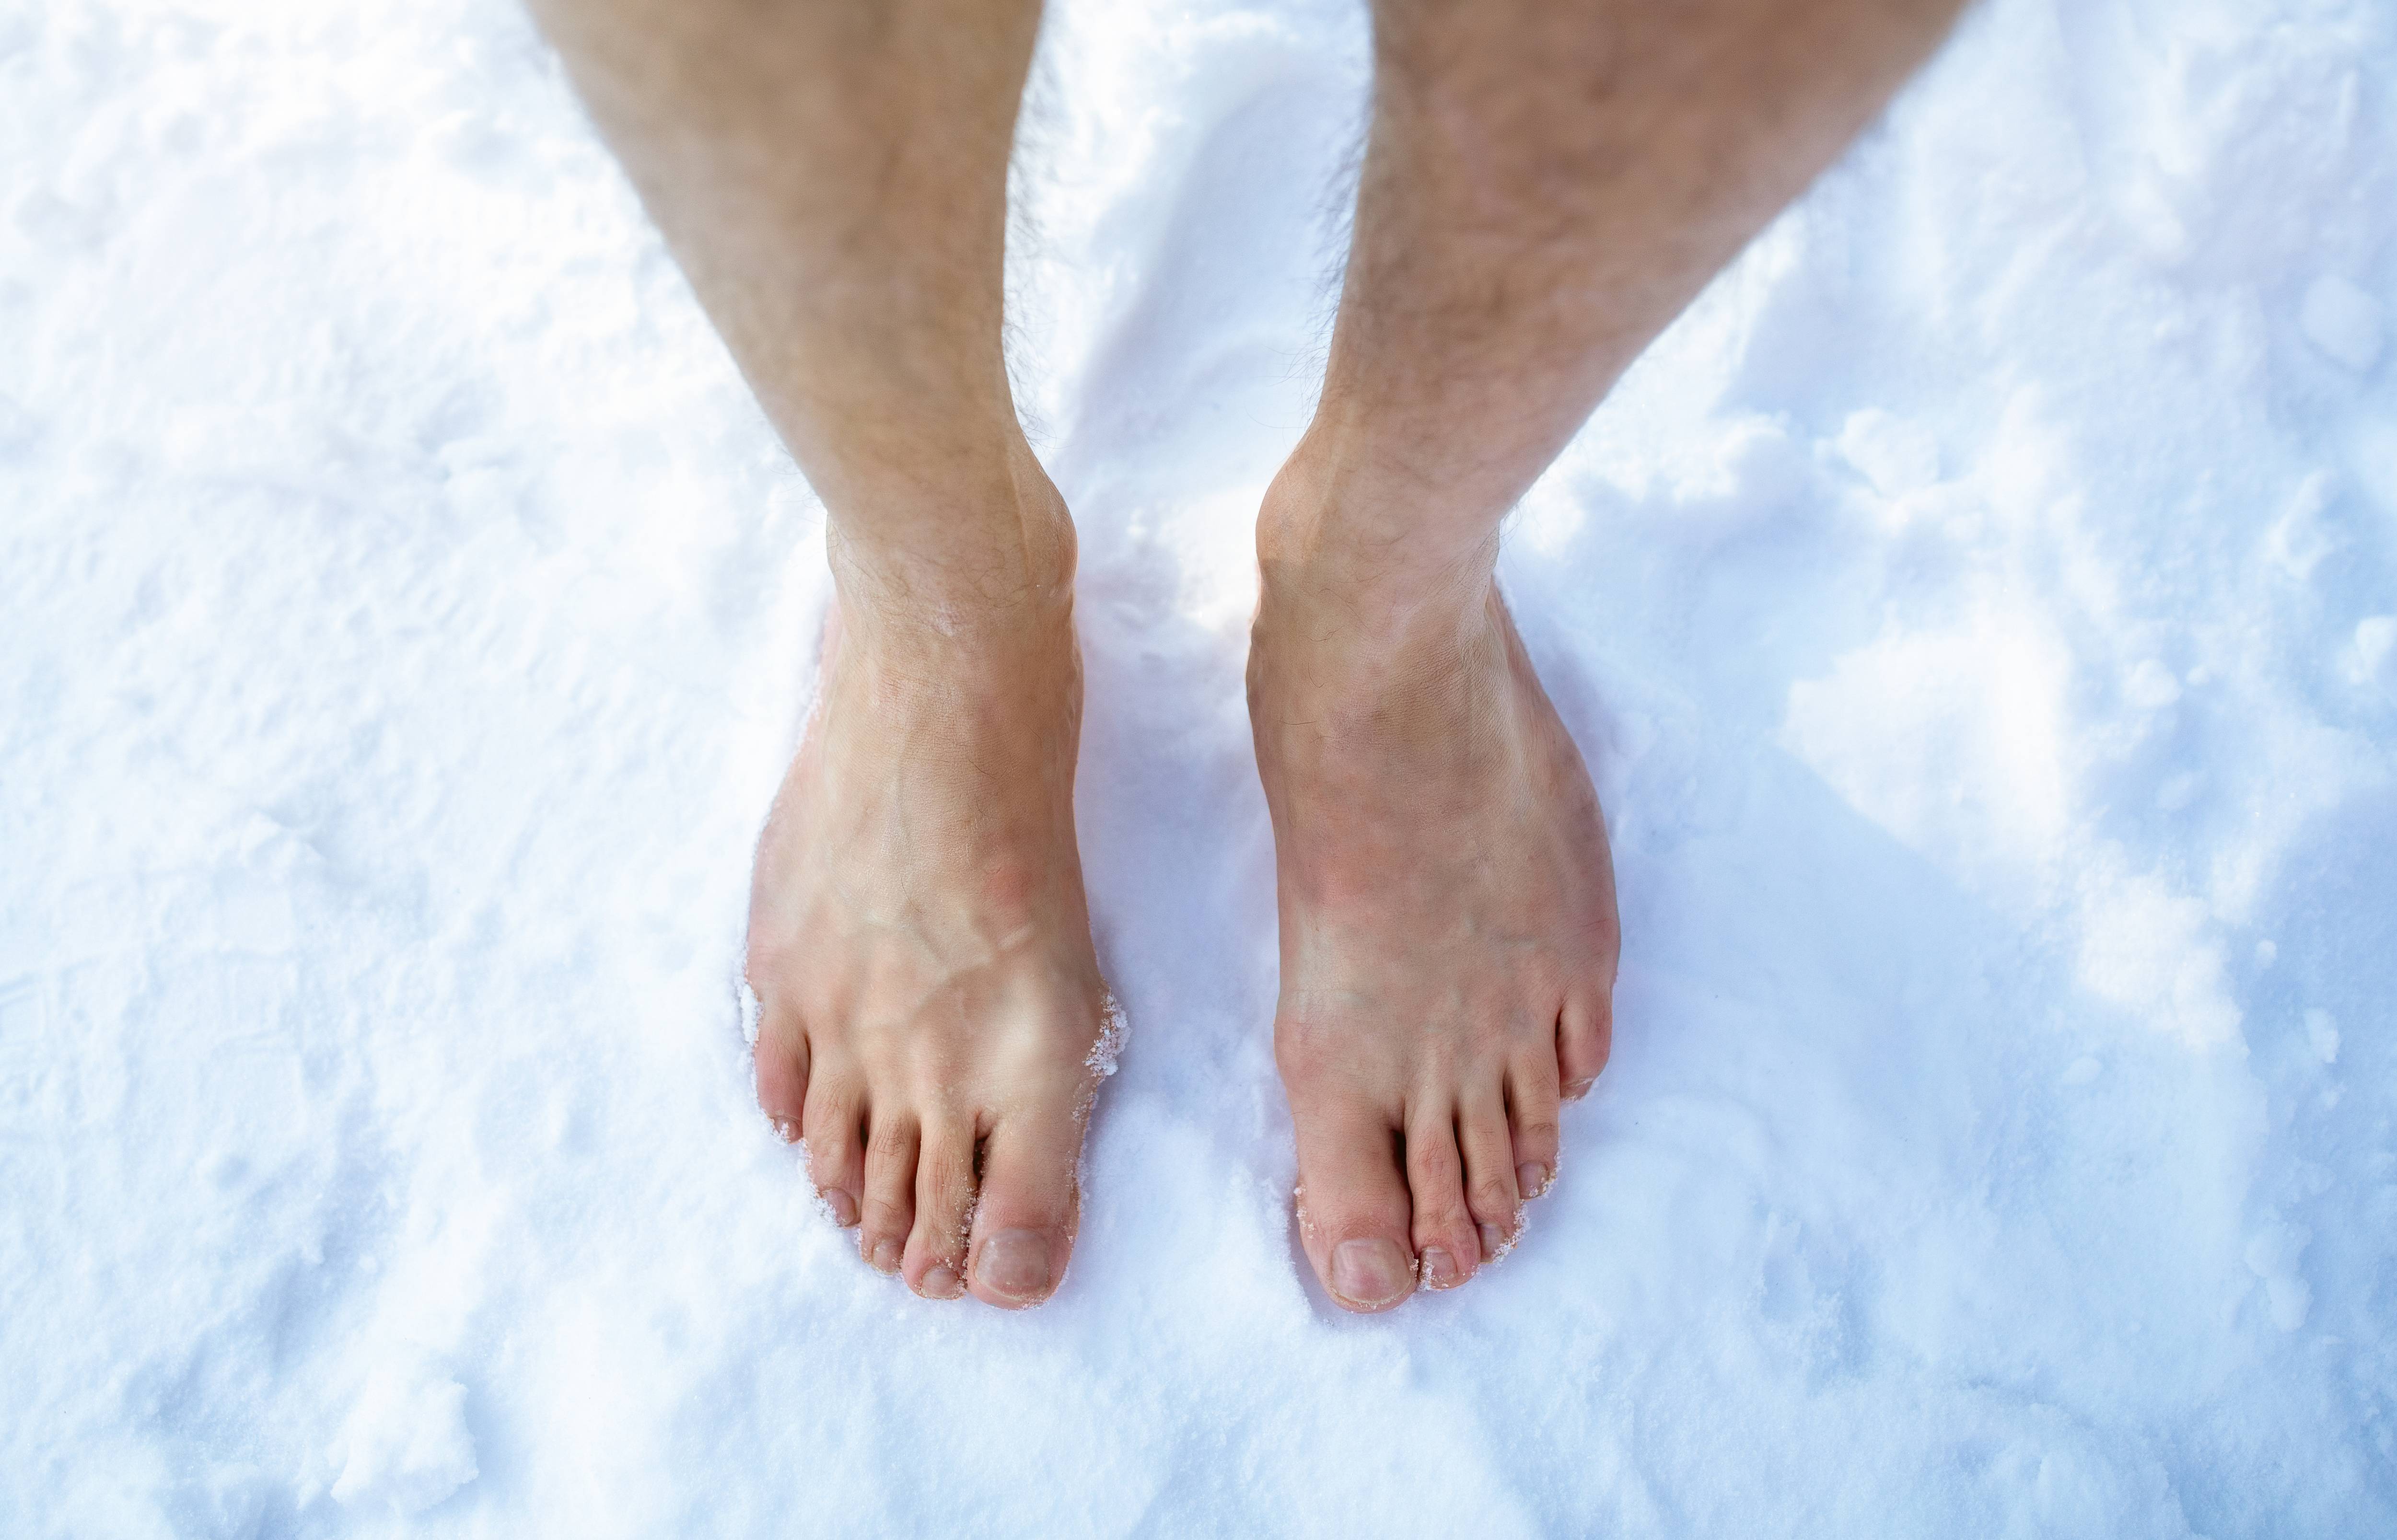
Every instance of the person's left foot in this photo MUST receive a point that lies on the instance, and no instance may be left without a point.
(1448, 924)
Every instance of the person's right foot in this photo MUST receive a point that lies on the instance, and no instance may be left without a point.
(932, 1021)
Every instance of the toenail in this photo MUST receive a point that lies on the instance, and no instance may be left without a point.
(1531, 1179)
(1369, 1272)
(1015, 1262)
(843, 1207)
(1577, 1090)
(885, 1256)
(940, 1283)
(786, 1130)
(1439, 1269)
(1493, 1243)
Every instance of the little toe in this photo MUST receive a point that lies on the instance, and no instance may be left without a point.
(935, 1260)
(1445, 1234)
(1354, 1213)
(1023, 1225)
(1585, 1036)
(889, 1211)
(782, 1057)
(1490, 1182)
(835, 1126)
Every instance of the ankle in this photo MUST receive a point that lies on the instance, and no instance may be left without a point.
(1336, 538)
(993, 558)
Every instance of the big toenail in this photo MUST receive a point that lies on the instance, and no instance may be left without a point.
(1369, 1272)
(843, 1207)
(1015, 1262)
(940, 1283)
(885, 1258)
(1531, 1179)
(1577, 1090)
(1439, 1269)
(1493, 1241)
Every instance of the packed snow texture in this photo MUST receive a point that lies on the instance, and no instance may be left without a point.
(1980, 612)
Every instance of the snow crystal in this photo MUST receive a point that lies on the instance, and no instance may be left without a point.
(1114, 1033)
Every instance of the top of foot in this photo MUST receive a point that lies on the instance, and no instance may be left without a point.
(1448, 924)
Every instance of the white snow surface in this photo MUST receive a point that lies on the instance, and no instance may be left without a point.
(1980, 613)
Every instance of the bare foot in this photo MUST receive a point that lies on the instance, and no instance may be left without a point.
(932, 1013)
(1448, 922)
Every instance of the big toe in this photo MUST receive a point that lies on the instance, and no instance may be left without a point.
(1023, 1225)
(1354, 1211)
(1018, 1266)
(1370, 1273)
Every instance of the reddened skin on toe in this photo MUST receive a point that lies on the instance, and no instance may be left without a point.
(1017, 1270)
(1353, 1206)
(1025, 1223)
(1369, 1274)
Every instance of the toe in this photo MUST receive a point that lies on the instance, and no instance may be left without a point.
(1584, 1035)
(1444, 1235)
(1532, 1107)
(889, 1211)
(1023, 1225)
(1354, 1213)
(783, 1076)
(1490, 1189)
(835, 1126)
(935, 1260)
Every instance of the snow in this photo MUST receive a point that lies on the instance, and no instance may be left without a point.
(407, 1442)
(2343, 321)
(1977, 612)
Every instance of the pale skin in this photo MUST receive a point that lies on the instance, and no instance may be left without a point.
(1547, 184)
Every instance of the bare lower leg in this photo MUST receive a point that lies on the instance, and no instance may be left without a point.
(832, 176)
(1548, 182)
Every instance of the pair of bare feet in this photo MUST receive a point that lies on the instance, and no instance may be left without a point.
(934, 1022)
(1546, 183)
